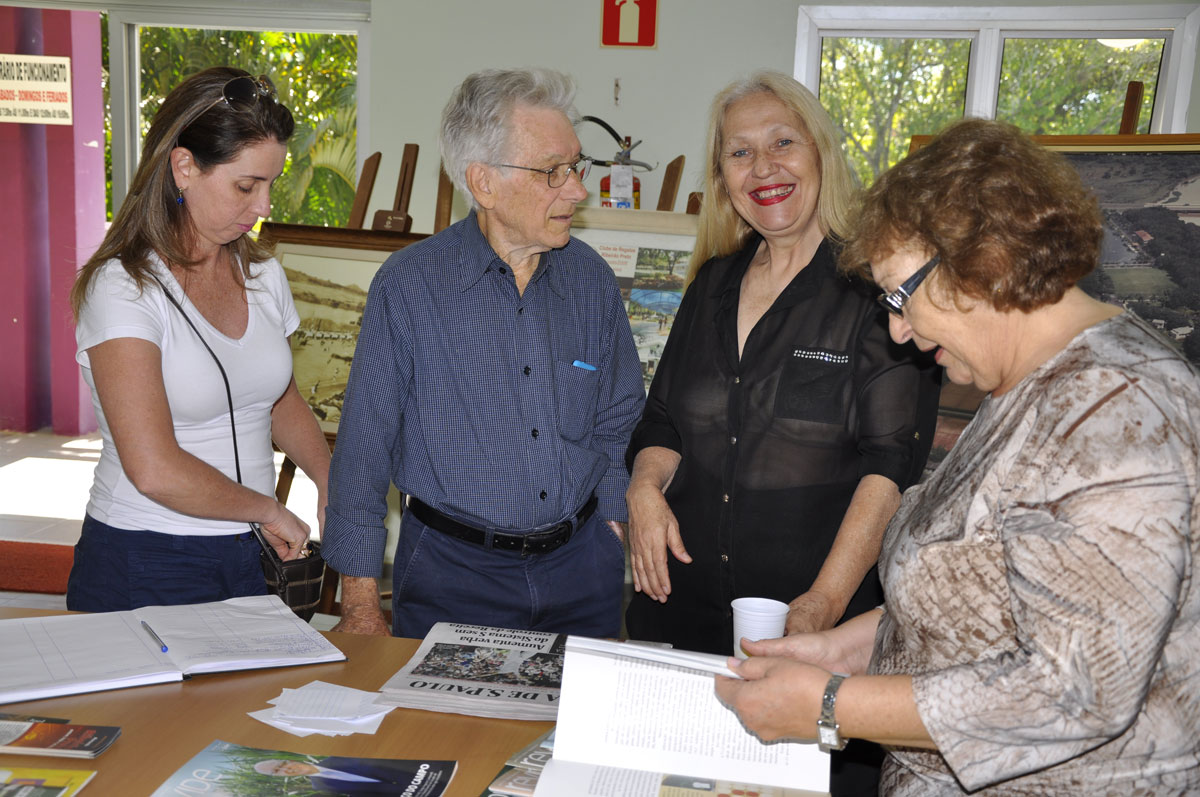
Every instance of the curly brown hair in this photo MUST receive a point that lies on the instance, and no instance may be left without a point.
(1011, 220)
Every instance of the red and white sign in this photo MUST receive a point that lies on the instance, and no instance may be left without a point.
(35, 89)
(629, 23)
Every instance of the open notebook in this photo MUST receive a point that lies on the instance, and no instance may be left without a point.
(72, 653)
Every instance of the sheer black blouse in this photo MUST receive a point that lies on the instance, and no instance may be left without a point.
(773, 445)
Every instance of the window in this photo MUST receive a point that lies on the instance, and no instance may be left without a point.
(879, 90)
(315, 75)
(887, 72)
(1061, 86)
(152, 44)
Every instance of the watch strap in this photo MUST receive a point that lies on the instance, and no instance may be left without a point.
(828, 731)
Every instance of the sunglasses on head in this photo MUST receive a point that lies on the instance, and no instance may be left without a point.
(246, 89)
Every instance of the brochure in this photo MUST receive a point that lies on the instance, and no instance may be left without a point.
(56, 739)
(31, 782)
(224, 769)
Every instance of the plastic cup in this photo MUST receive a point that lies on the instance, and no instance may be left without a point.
(756, 618)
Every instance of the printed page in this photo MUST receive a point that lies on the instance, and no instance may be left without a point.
(659, 718)
(237, 634)
(684, 659)
(68, 654)
(481, 670)
(589, 780)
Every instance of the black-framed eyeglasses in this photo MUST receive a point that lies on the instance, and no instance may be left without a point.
(556, 175)
(894, 302)
(246, 89)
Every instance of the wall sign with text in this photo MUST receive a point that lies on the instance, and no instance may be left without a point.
(35, 89)
(629, 23)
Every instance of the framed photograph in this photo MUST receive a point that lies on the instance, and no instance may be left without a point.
(648, 250)
(329, 270)
(1148, 187)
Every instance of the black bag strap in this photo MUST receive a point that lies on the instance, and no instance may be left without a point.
(268, 550)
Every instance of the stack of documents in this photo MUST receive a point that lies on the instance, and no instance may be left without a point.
(327, 709)
(487, 672)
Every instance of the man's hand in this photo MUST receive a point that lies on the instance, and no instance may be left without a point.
(653, 530)
(360, 608)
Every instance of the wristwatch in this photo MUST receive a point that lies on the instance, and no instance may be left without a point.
(828, 737)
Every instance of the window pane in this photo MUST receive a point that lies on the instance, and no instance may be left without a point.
(315, 75)
(881, 91)
(1075, 86)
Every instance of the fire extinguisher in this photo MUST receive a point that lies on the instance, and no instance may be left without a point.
(627, 195)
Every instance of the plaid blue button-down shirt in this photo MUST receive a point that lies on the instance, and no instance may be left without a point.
(477, 399)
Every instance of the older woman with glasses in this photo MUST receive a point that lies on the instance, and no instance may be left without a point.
(1042, 627)
(180, 316)
(782, 423)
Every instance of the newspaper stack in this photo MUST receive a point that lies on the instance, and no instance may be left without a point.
(483, 671)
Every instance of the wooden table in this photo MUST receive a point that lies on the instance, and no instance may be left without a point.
(163, 726)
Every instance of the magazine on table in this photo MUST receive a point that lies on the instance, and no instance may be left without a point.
(55, 738)
(519, 776)
(484, 671)
(224, 769)
(636, 721)
(37, 782)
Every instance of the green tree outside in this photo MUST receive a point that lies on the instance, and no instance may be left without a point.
(882, 91)
(1075, 86)
(316, 76)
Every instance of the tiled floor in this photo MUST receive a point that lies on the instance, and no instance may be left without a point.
(44, 484)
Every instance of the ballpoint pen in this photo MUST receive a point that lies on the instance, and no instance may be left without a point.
(154, 636)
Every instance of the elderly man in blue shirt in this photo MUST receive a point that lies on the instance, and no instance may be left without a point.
(496, 383)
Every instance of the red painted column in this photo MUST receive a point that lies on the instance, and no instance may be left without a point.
(24, 240)
(52, 218)
(75, 176)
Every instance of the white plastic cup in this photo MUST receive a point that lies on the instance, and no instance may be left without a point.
(757, 618)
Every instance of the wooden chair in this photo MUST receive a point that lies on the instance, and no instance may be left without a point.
(444, 202)
(362, 195)
(693, 203)
(670, 184)
(397, 218)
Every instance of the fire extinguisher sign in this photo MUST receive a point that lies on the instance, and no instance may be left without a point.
(629, 23)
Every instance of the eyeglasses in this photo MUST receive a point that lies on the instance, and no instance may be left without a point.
(245, 89)
(557, 174)
(894, 302)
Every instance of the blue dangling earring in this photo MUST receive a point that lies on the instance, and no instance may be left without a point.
(179, 195)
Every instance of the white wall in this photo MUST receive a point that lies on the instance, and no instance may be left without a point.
(420, 52)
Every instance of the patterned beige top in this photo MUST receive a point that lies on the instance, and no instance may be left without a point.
(1040, 585)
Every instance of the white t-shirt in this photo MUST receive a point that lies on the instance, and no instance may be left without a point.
(259, 367)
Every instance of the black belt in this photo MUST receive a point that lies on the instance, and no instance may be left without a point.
(542, 540)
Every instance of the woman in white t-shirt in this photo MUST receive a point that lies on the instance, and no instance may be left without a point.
(176, 295)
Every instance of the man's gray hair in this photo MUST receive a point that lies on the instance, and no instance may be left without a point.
(476, 120)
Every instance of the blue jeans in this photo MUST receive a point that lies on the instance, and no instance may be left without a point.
(575, 589)
(118, 570)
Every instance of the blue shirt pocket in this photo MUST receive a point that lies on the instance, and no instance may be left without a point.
(575, 389)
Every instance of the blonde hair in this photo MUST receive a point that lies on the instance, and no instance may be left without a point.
(721, 230)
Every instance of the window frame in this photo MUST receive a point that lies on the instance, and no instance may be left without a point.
(125, 17)
(988, 27)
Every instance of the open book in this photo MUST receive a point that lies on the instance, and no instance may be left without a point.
(639, 721)
(480, 670)
(72, 653)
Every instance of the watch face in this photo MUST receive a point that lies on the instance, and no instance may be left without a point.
(828, 737)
